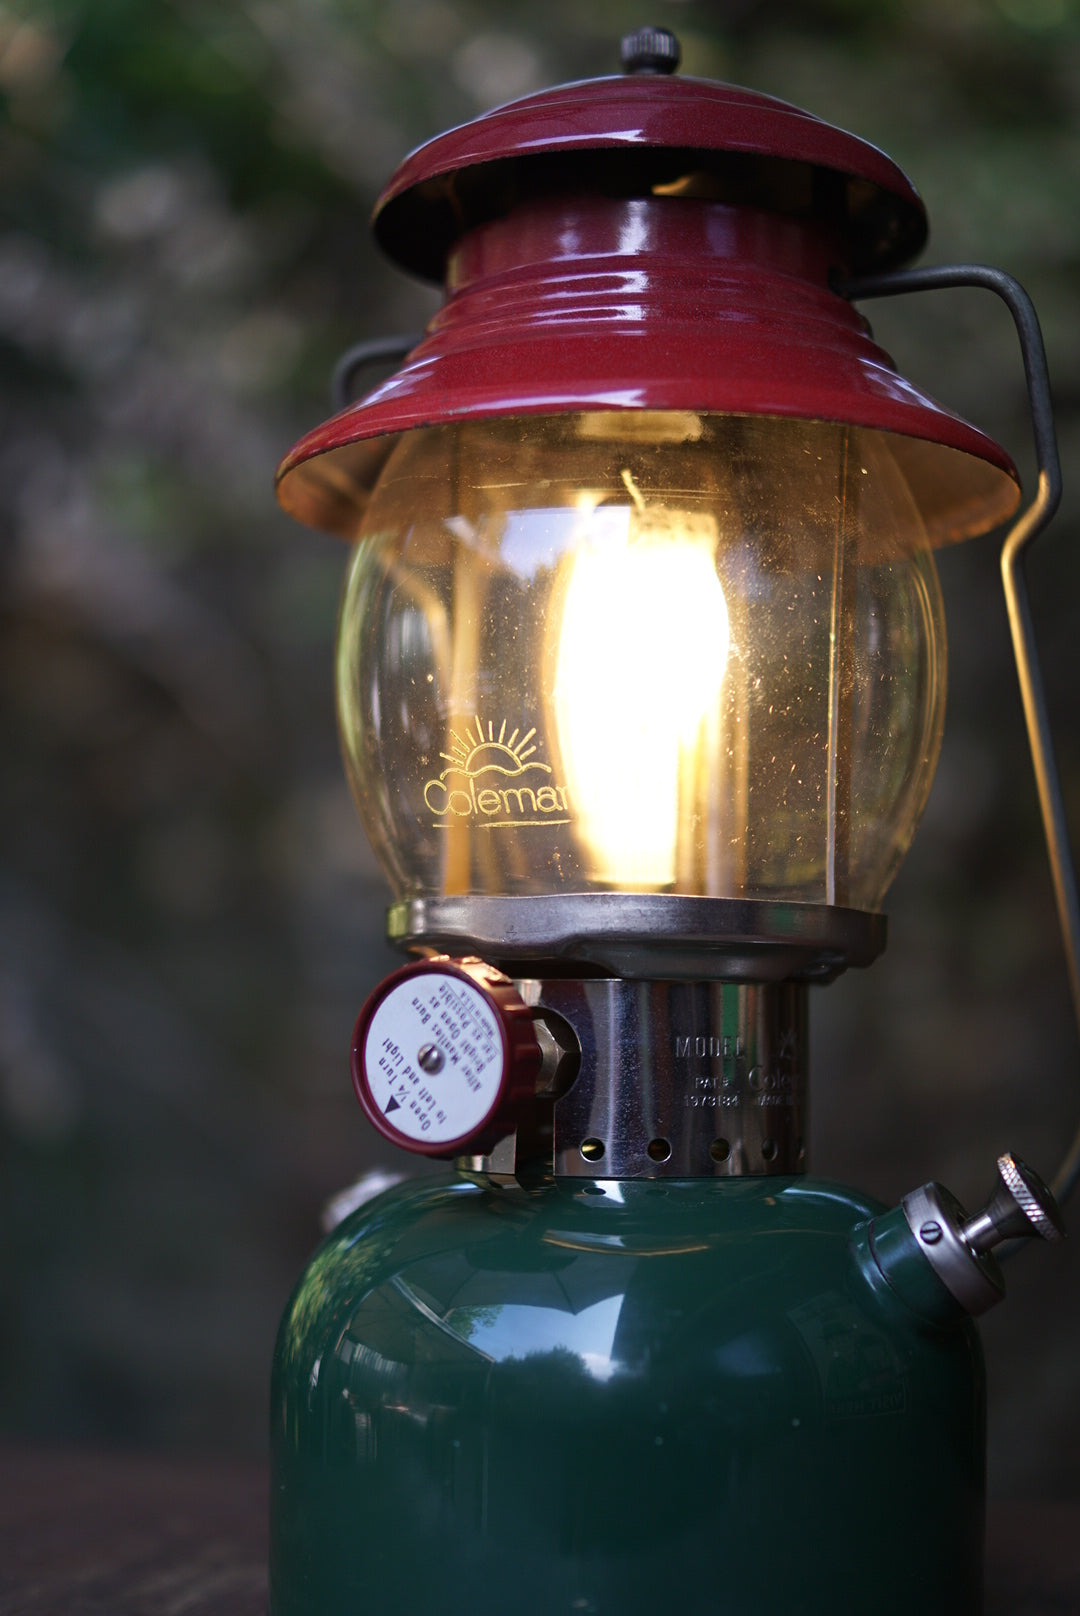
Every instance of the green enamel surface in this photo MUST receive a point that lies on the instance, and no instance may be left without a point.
(888, 1245)
(687, 1395)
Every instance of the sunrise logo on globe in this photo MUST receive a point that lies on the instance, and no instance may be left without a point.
(495, 780)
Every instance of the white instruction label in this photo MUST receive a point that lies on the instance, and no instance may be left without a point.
(433, 1058)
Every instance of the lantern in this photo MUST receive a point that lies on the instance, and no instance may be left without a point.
(640, 674)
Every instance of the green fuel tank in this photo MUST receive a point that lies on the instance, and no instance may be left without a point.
(720, 1397)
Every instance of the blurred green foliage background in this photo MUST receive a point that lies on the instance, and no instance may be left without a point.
(189, 915)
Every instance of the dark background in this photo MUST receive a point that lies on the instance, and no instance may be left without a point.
(189, 915)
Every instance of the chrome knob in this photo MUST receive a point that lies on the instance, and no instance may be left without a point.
(1020, 1208)
(959, 1248)
(650, 50)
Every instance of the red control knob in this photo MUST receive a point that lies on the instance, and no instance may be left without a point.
(444, 1056)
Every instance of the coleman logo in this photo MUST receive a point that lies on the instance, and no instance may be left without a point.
(494, 780)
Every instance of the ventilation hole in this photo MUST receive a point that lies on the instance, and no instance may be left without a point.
(719, 1150)
(768, 1149)
(592, 1149)
(659, 1150)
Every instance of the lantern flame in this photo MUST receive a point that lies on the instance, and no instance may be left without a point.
(642, 649)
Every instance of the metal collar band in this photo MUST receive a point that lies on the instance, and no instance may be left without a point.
(644, 935)
(676, 1080)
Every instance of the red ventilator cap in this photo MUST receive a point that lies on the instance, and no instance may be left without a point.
(651, 243)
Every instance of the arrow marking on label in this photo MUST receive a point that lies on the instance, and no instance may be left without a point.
(392, 1105)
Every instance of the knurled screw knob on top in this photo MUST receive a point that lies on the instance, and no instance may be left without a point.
(960, 1248)
(650, 50)
(1021, 1207)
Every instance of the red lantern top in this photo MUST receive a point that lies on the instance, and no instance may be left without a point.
(650, 135)
(651, 243)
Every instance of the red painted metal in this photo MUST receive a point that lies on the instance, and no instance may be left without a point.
(520, 1047)
(720, 140)
(650, 303)
(711, 292)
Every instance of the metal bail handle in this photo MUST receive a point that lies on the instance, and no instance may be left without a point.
(445, 1055)
(361, 356)
(1030, 523)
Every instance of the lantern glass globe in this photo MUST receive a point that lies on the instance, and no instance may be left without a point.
(642, 651)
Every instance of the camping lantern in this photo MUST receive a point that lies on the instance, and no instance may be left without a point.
(640, 675)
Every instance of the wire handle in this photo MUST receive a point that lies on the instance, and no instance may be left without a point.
(374, 351)
(1027, 527)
